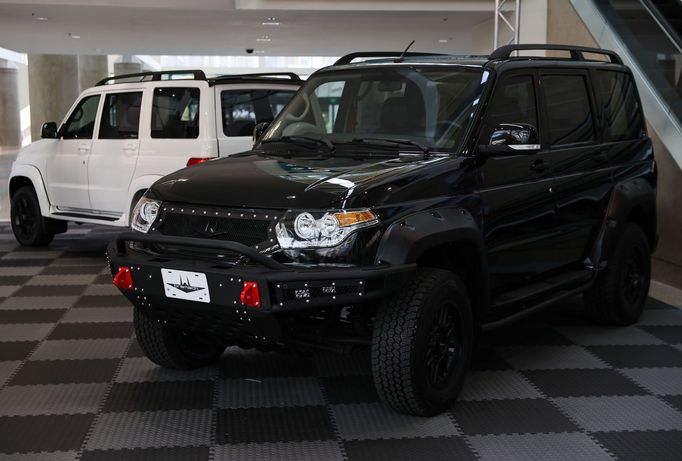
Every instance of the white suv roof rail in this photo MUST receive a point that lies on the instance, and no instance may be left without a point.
(192, 74)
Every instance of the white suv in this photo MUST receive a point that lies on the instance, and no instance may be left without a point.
(119, 138)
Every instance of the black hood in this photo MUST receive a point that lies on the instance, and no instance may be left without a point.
(275, 182)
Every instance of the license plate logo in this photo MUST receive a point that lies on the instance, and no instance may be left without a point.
(191, 286)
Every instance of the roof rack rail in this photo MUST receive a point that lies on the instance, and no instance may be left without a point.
(505, 51)
(292, 76)
(155, 76)
(347, 59)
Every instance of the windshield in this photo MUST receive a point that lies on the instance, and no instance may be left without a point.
(420, 106)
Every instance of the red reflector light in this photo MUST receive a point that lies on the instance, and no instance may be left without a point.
(123, 278)
(250, 295)
(195, 160)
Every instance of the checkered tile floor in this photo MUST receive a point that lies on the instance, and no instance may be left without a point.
(75, 385)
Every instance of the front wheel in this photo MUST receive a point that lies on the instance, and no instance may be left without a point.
(28, 224)
(175, 348)
(422, 343)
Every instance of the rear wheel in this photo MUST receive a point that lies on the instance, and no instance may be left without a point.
(175, 348)
(28, 224)
(422, 344)
(618, 295)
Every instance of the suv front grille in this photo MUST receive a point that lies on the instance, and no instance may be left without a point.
(248, 227)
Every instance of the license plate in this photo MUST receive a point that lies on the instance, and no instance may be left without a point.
(190, 286)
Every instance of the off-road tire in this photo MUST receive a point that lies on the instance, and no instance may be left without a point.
(28, 225)
(612, 299)
(170, 348)
(400, 344)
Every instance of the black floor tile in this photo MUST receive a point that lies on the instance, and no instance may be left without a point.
(135, 350)
(100, 330)
(149, 454)
(66, 371)
(425, 449)
(21, 262)
(73, 270)
(16, 350)
(639, 356)
(527, 337)
(485, 358)
(253, 425)
(50, 290)
(582, 382)
(102, 301)
(671, 334)
(350, 389)
(510, 417)
(43, 433)
(674, 400)
(265, 365)
(153, 396)
(638, 446)
(31, 315)
(6, 280)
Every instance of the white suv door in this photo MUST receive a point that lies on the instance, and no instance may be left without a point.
(67, 169)
(115, 151)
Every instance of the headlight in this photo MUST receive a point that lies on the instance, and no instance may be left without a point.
(321, 230)
(144, 214)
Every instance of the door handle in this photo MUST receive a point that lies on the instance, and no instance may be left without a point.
(82, 150)
(539, 166)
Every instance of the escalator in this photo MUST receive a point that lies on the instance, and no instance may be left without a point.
(648, 35)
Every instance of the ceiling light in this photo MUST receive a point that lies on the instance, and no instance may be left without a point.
(40, 18)
(270, 23)
(264, 38)
(258, 51)
(443, 40)
(73, 35)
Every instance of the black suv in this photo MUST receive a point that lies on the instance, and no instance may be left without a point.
(404, 205)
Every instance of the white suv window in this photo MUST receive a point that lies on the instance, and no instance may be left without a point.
(81, 122)
(121, 116)
(243, 109)
(175, 113)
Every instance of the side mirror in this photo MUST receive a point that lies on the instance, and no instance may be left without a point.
(258, 130)
(512, 139)
(49, 130)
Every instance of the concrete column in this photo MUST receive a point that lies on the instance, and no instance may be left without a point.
(53, 87)
(10, 121)
(91, 69)
(121, 68)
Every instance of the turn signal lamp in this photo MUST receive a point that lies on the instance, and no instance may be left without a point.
(196, 160)
(250, 296)
(123, 279)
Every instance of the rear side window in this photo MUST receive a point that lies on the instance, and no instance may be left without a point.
(618, 105)
(175, 113)
(121, 116)
(513, 102)
(569, 117)
(243, 109)
(81, 122)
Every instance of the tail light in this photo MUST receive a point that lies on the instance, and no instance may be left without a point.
(195, 160)
(250, 296)
(123, 278)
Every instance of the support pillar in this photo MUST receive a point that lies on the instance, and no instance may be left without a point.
(91, 69)
(121, 68)
(53, 85)
(10, 120)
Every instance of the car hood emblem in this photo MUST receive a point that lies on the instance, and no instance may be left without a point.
(185, 286)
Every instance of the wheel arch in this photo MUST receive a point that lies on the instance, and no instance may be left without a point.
(445, 238)
(27, 175)
(138, 185)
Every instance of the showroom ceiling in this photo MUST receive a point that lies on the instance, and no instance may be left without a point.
(229, 27)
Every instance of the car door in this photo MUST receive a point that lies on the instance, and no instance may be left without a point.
(516, 190)
(241, 107)
(582, 176)
(67, 170)
(114, 152)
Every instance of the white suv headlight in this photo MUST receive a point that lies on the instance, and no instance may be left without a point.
(321, 229)
(144, 214)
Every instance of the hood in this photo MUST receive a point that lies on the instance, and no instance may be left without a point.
(275, 182)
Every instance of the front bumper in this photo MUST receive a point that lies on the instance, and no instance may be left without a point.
(282, 289)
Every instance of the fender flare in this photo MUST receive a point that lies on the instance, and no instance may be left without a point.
(33, 175)
(406, 240)
(138, 184)
(626, 196)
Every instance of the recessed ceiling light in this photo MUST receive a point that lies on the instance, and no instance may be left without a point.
(258, 51)
(443, 40)
(264, 38)
(39, 18)
(270, 23)
(74, 35)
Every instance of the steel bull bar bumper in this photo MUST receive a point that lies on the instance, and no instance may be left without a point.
(215, 296)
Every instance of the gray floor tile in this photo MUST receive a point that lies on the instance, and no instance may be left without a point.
(549, 357)
(659, 381)
(24, 270)
(151, 429)
(269, 392)
(25, 331)
(62, 279)
(67, 349)
(51, 399)
(503, 384)
(141, 369)
(8, 290)
(377, 421)
(101, 290)
(628, 413)
(39, 302)
(6, 370)
(538, 447)
(44, 456)
(661, 317)
(99, 314)
(289, 451)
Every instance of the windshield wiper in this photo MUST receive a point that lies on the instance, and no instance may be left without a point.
(385, 141)
(304, 140)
